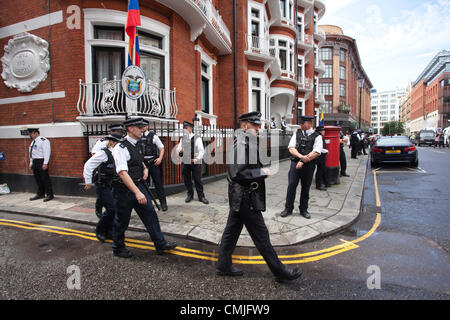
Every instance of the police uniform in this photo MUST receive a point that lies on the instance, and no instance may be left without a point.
(192, 149)
(99, 145)
(342, 158)
(321, 170)
(247, 199)
(151, 145)
(355, 144)
(104, 161)
(128, 158)
(39, 152)
(304, 143)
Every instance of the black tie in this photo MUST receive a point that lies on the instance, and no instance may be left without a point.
(31, 149)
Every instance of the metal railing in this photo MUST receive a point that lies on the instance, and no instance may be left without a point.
(108, 98)
(306, 39)
(212, 15)
(258, 45)
(305, 83)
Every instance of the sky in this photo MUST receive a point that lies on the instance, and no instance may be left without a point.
(396, 39)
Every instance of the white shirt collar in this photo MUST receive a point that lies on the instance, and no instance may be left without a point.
(133, 142)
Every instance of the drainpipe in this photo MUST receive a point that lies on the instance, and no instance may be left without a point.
(235, 63)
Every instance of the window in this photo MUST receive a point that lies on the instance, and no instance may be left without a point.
(205, 88)
(146, 39)
(341, 72)
(326, 89)
(315, 28)
(328, 71)
(300, 70)
(108, 63)
(287, 9)
(283, 59)
(342, 90)
(326, 54)
(300, 26)
(256, 95)
(300, 109)
(328, 107)
(342, 55)
(109, 33)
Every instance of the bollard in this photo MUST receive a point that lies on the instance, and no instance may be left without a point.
(331, 138)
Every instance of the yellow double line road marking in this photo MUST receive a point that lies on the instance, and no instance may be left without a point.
(203, 255)
(212, 256)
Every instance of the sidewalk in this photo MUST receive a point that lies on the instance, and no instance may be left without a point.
(330, 210)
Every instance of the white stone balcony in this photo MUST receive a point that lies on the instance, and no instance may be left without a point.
(319, 99)
(108, 99)
(320, 4)
(305, 84)
(257, 48)
(320, 68)
(320, 36)
(305, 42)
(203, 17)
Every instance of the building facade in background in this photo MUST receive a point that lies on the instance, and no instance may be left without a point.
(430, 96)
(204, 59)
(385, 107)
(405, 110)
(344, 85)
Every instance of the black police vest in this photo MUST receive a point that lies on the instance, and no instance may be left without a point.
(305, 144)
(189, 144)
(107, 170)
(148, 148)
(135, 166)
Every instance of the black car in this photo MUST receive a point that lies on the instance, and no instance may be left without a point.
(397, 149)
(425, 137)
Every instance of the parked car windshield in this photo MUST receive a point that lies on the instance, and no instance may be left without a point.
(393, 141)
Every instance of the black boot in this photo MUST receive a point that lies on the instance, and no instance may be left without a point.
(285, 213)
(289, 275)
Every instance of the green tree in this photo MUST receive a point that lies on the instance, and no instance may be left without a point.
(393, 127)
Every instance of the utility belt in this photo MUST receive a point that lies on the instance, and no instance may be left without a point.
(252, 187)
(118, 184)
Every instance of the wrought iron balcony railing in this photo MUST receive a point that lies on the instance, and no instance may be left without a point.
(108, 98)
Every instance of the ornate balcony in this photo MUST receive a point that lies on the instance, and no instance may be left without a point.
(320, 4)
(305, 84)
(108, 99)
(203, 17)
(257, 48)
(320, 36)
(319, 99)
(320, 68)
(305, 42)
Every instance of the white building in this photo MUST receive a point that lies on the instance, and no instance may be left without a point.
(385, 107)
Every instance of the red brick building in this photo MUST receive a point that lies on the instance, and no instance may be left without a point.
(204, 59)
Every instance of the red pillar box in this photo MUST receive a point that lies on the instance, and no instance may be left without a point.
(331, 138)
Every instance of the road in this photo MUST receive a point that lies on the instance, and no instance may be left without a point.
(405, 256)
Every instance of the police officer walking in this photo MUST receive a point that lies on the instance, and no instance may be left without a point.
(99, 145)
(305, 146)
(40, 152)
(104, 161)
(153, 152)
(190, 148)
(321, 172)
(131, 193)
(247, 198)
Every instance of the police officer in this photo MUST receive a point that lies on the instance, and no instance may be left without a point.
(321, 171)
(153, 152)
(343, 139)
(40, 152)
(190, 148)
(99, 145)
(104, 161)
(131, 193)
(355, 143)
(247, 198)
(305, 146)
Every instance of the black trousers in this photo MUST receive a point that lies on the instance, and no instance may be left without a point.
(342, 160)
(105, 224)
(156, 173)
(254, 222)
(355, 149)
(190, 171)
(305, 174)
(321, 173)
(126, 201)
(42, 178)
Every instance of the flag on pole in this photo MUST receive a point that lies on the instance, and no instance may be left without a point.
(133, 20)
(322, 120)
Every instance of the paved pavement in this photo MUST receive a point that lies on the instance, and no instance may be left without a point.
(331, 210)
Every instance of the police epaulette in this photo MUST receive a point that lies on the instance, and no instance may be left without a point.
(122, 145)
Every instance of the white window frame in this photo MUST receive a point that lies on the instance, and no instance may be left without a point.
(301, 61)
(290, 52)
(105, 17)
(301, 16)
(302, 100)
(210, 63)
(264, 88)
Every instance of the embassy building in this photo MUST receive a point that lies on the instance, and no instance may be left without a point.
(208, 60)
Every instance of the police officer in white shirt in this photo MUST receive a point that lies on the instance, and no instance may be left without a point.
(305, 146)
(39, 152)
(191, 149)
(104, 161)
(131, 193)
(100, 144)
(153, 152)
